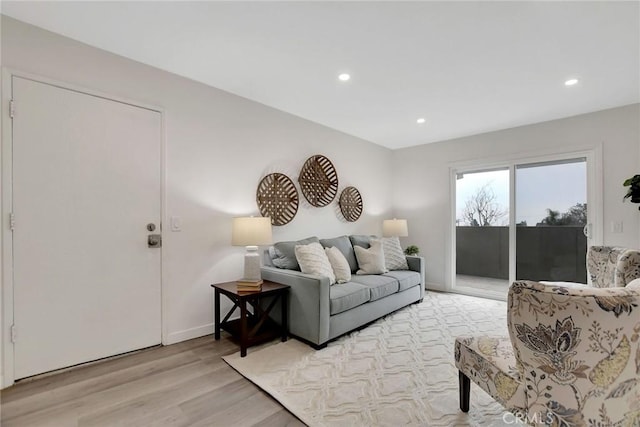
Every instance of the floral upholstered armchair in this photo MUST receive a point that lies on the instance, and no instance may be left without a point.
(611, 266)
(572, 357)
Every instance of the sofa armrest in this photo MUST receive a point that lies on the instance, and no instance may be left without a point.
(308, 302)
(417, 263)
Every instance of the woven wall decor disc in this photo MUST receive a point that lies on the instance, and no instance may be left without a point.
(351, 204)
(318, 181)
(277, 198)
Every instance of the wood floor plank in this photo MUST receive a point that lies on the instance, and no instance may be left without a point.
(254, 406)
(59, 417)
(174, 386)
(168, 417)
(219, 400)
(99, 383)
(142, 405)
(282, 418)
(81, 373)
(85, 404)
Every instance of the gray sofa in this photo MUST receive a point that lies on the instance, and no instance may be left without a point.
(319, 312)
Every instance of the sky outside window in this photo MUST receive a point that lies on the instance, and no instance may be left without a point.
(557, 186)
(497, 184)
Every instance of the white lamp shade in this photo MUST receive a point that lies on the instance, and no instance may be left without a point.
(395, 227)
(251, 231)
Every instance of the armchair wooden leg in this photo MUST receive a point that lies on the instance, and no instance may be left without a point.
(465, 390)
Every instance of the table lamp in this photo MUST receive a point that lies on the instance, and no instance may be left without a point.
(251, 232)
(395, 227)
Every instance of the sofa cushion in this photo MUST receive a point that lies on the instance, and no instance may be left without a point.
(345, 296)
(344, 245)
(379, 286)
(370, 261)
(339, 264)
(313, 260)
(394, 257)
(406, 278)
(283, 254)
(361, 240)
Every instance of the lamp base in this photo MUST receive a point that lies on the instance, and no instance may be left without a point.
(252, 265)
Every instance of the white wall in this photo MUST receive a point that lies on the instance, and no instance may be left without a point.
(2, 107)
(218, 147)
(422, 183)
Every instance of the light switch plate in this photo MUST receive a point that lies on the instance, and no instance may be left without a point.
(616, 227)
(176, 224)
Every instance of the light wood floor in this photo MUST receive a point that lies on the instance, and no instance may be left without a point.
(185, 384)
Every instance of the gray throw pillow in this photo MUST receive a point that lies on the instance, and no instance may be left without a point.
(343, 244)
(361, 240)
(283, 254)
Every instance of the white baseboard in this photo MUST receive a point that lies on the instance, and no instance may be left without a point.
(435, 287)
(188, 334)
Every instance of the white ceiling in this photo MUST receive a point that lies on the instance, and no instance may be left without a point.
(467, 67)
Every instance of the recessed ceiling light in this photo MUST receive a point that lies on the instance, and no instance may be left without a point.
(571, 82)
(421, 121)
(344, 77)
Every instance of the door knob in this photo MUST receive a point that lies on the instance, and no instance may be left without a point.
(151, 227)
(154, 240)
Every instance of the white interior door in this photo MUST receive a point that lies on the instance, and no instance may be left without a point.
(86, 182)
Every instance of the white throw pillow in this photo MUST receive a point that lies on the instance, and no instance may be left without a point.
(313, 260)
(634, 284)
(339, 264)
(394, 258)
(370, 261)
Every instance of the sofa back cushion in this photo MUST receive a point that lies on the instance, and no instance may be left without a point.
(283, 254)
(343, 244)
(361, 240)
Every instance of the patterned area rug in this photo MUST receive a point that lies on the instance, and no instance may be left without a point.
(398, 371)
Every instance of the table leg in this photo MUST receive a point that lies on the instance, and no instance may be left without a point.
(285, 323)
(216, 329)
(243, 328)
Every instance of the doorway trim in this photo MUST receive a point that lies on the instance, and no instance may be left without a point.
(595, 207)
(7, 363)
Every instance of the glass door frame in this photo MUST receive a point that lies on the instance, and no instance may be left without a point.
(595, 205)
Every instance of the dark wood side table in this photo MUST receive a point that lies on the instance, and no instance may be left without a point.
(257, 327)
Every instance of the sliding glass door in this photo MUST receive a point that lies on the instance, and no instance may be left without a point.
(551, 216)
(482, 229)
(524, 220)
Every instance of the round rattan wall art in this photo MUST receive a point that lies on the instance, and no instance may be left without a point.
(277, 198)
(351, 204)
(318, 181)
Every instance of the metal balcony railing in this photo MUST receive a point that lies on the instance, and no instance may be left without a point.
(556, 253)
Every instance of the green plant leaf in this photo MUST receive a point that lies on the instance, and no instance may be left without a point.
(633, 192)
